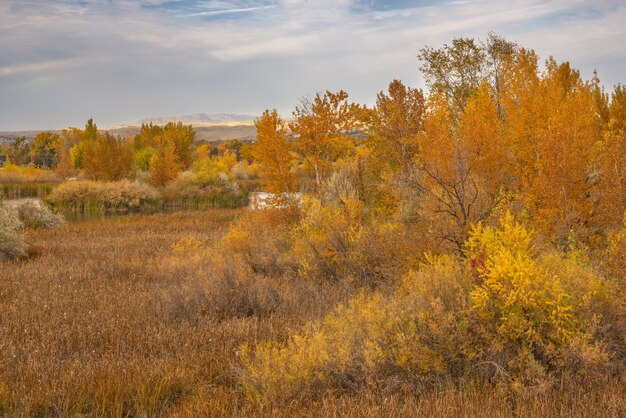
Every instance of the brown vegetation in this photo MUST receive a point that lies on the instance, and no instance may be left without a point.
(455, 253)
(146, 316)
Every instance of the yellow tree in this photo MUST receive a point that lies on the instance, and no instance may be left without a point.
(107, 158)
(397, 121)
(562, 189)
(461, 166)
(322, 127)
(182, 136)
(273, 150)
(164, 165)
(44, 149)
(393, 127)
(612, 182)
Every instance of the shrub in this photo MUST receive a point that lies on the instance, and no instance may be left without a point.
(121, 195)
(221, 285)
(34, 215)
(189, 185)
(13, 173)
(376, 341)
(506, 311)
(530, 309)
(12, 243)
(343, 241)
(262, 240)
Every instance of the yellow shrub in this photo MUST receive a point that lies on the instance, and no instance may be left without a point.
(343, 242)
(261, 239)
(506, 308)
(531, 306)
(373, 340)
(13, 173)
(617, 254)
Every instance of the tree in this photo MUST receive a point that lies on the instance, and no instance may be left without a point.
(461, 168)
(44, 149)
(182, 136)
(322, 127)
(454, 70)
(17, 151)
(397, 122)
(107, 158)
(457, 70)
(612, 179)
(164, 165)
(274, 152)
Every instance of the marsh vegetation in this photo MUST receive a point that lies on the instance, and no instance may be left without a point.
(456, 253)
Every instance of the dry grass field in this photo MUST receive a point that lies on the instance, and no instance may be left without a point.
(112, 318)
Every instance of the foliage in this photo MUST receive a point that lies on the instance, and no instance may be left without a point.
(273, 150)
(106, 158)
(261, 239)
(164, 165)
(180, 136)
(530, 315)
(322, 126)
(343, 242)
(44, 149)
(536, 306)
(13, 173)
(371, 341)
(16, 151)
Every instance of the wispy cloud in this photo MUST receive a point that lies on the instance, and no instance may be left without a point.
(62, 61)
(230, 11)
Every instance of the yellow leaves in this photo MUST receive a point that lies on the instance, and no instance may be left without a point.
(165, 165)
(273, 150)
(368, 338)
(321, 127)
(530, 300)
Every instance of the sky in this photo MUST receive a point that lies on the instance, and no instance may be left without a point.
(119, 61)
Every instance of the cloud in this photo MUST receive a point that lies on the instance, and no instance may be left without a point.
(62, 61)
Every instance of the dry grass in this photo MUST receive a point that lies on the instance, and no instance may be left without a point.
(98, 324)
(109, 321)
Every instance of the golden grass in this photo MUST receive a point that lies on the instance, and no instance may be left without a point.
(107, 321)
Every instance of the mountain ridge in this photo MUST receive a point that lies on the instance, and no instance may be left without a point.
(199, 118)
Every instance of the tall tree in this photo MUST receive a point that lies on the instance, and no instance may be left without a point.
(398, 121)
(164, 165)
(322, 127)
(17, 151)
(457, 70)
(44, 149)
(273, 150)
(107, 158)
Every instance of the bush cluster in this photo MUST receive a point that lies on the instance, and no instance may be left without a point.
(121, 195)
(506, 311)
(34, 215)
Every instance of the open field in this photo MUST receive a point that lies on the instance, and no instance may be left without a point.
(98, 324)
(108, 321)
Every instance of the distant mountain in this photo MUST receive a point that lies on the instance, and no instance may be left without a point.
(199, 118)
(208, 127)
